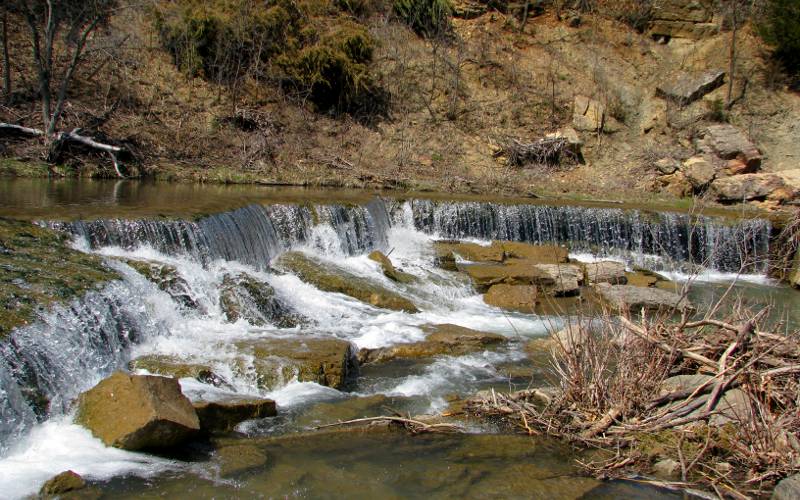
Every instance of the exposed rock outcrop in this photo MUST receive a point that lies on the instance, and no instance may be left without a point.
(699, 171)
(729, 143)
(747, 187)
(167, 279)
(787, 489)
(588, 115)
(471, 251)
(691, 19)
(137, 412)
(687, 87)
(332, 278)
(442, 339)
(634, 298)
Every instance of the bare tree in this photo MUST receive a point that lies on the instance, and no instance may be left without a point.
(6, 59)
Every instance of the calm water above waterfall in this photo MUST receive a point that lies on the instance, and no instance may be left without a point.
(44, 366)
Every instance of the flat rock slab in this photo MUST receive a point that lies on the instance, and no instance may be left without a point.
(730, 143)
(607, 271)
(520, 298)
(539, 254)
(634, 298)
(567, 278)
(441, 339)
(225, 414)
(275, 361)
(137, 412)
(470, 251)
(690, 87)
(170, 366)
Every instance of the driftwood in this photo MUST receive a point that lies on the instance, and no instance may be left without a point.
(413, 426)
(74, 136)
(546, 151)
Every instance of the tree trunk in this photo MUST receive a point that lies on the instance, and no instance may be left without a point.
(6, 60)
(731, 70)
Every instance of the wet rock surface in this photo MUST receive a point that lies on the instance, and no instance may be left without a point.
(331, 278)
(243, 296)
(171, 366)
(138, 412)
(223, 415)
(166, 278)
(634, 298)
(62, 483)
(389, 270)
(441, 339)
(520, 298)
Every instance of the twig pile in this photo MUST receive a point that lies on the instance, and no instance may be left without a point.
(546, 151)
(732, 425)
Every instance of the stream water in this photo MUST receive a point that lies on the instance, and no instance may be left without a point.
(212, 234)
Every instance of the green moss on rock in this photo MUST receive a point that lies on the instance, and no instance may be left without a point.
(38, 269)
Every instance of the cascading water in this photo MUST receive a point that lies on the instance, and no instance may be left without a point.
(45, 365)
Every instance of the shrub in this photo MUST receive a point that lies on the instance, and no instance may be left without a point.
(429, 18)
(780, 27)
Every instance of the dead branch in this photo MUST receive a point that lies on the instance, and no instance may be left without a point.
(414, 426)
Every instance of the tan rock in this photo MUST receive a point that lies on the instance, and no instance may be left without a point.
(136, 412)
(730, 143)
(688, 87)
(326, 361)
(171, 366)
(746, 187)
(699, 172)
(238, 459)
(62, 483)
(224, 415)
(514, 272)
(471, 251)
(606, 272)
(389, 270)
(540, 254)
(634, 298)
(567, 278)
(588, 115)
(442, 339)
(520, 298)
(653, 115)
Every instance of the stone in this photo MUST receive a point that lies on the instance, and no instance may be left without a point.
(794, 273)
(746, 187)
(170, 366)
(540, 254)
(667, 166)
(275, 361)
(730, 143)
(62, 483)
(667, 469)
(634, 298)
(465, 9)
(734, 406)
(588, 115)
(520, 298)
(652, 115)
(682, 29)
(690, 87)
(697, 11)
(573, 335)
(787, 489)
(683, 382)
(611, 125)
(244, 296)
(574, 142)
(676, 184)
(791, 181)
(442, 339)
(567, 278)
(331, 278)
(644, 278)
(389, 270)
(471, 251)
(238, 459)
(515, 272)
(606, 272)
(167, 279)
(225, 414)
(699, 172)
(138, 412)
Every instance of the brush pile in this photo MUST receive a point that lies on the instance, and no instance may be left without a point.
(711, 404)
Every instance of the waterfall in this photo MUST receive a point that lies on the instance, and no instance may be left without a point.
(679, 239)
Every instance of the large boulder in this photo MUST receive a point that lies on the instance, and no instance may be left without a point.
(607, 271)
(730, 143)
(276, 361)
(332, 278)
(244, 296)
(634, 298)
(441, 339)
(787, 489)
(567, 278)
(699, 171)
(136, 412)
(520, 298)
(588, 115)
(225, 414)
(691, 19)
(746, 187)
(690, 87)
(171, 366)
(389, 270)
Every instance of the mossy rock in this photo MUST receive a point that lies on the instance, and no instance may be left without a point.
(38, 269)
(166, 278)
(243, 296)
(62, 483)
(442, 339)
(389, 270)
(326, 361)
(331, 278)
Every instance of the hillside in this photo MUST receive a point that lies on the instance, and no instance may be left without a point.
(453, 103)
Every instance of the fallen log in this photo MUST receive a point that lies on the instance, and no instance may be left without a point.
(74, 136)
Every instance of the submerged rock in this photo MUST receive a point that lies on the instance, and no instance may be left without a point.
(442, 339)
(238, 459)
(166, 278)
(332, 278)
(137, 412)
(520, 298)
(634, 298)
(606, 272)
(171, 366)
(389, 270)
(275, 361)
(244, 296)
(62, 483)
(224, 415)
